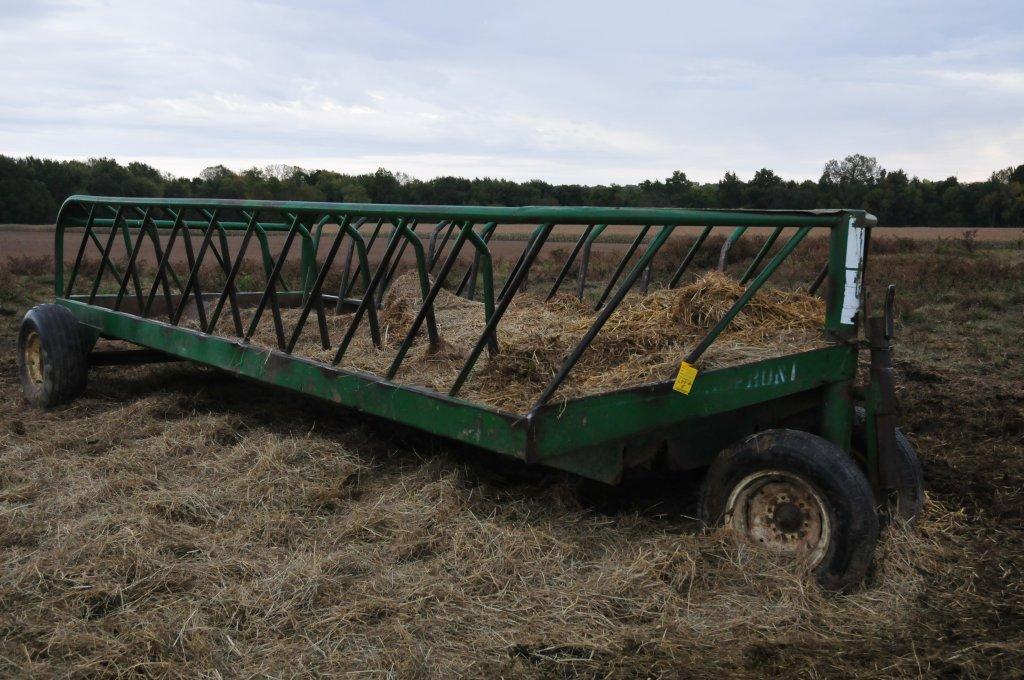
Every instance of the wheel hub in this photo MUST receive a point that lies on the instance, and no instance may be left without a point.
(788, 517)
(781, 511)
(34, 358)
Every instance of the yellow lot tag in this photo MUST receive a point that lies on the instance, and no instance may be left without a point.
(684, 380)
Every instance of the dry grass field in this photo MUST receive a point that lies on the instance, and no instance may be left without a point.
(177, 522)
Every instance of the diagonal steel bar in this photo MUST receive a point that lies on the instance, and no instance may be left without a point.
(190, 260)
(622, 266)
(382, 291)
(574, 356)
(130, 269)
(162, 266)
(569, 261)
(269, 292)
(688, 259)
(325, 340)
(466, 228)
(346, 269)
(818, 280)
(193, 277)
(435, 255)
(754, 286)
(402, 229)
(369, 249)
(128, 249)
(158, 253)
(366, 304)
(541, 235)
(756, 262)
(432, 241)
(229, 284)
(105, 254)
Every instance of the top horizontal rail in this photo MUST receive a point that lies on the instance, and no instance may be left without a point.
(513, 215)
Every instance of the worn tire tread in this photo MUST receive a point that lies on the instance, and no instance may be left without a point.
(834, 474)
(65, 365)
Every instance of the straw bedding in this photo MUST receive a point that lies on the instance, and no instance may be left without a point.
(175, 522)
(642, 342)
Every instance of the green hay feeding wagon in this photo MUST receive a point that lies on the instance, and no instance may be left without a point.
(795, 463)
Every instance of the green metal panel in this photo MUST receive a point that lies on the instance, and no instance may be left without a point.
(837, 413)
(590, 421)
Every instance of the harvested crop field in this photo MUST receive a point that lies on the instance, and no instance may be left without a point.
(178, 522)
(33, 240)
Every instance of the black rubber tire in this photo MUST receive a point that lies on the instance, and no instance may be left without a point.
(61, 372)
(845, 492)
(907, 500)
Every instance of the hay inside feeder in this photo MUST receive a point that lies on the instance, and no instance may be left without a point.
(642, 342)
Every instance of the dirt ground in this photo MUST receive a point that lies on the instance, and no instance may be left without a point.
(176, 522)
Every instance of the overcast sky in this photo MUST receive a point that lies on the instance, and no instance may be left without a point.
(588, 92)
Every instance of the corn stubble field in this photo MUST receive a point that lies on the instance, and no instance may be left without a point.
(179, 522)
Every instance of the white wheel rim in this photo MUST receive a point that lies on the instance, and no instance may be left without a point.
(781, 511)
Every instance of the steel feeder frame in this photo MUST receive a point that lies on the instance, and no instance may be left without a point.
(599, 436)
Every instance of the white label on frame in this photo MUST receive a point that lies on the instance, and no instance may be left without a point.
(851, 296)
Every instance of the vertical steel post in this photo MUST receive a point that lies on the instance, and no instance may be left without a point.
(837, 413)
(471, 274)
(735, 236)
(581, 277)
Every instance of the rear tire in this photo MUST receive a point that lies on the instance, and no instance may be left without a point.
(907, 500)
(52, 356)
(800, 495)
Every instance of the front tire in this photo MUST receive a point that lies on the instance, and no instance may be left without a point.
(52, 356)
(800, 495)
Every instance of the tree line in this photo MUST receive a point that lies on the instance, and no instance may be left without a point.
(32, 189)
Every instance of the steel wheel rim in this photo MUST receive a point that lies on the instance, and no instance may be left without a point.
(781, 511)
(34, 357)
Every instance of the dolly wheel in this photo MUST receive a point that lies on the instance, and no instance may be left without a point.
(52, 360)
(799, 495)
(906, 500)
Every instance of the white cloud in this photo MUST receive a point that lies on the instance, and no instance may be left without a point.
(561, 91)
